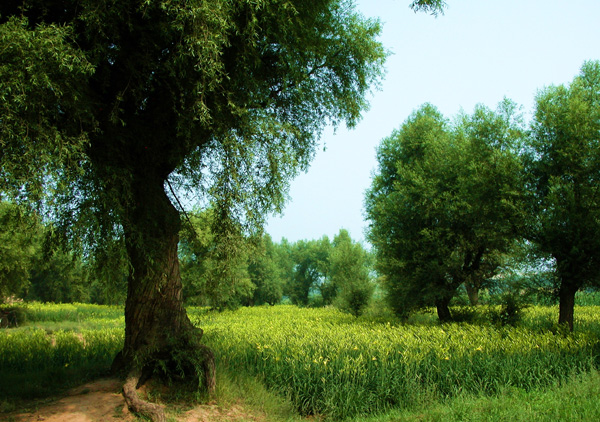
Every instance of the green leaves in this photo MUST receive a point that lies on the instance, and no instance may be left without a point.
(435, 7)
(563, 164)
(42, 114)
(445, 201)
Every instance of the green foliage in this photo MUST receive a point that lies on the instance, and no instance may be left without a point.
(563, 168)
(350, 266)
(311, 269)
(591, 298)
(47, 355)
(332, 364)
(265, 274)
(321, 272)
(105, 104)
(285, 263)
(445, 204)
(434, 7)
(214, 269)
(20, 242)
(71, 312)
(42, 83)
(32, 266)
(107, 274)
(574, 400)
(58, 276)
(226, 98)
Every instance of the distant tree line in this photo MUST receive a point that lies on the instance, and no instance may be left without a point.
(238, 271)
(222, 273)
(34, 265)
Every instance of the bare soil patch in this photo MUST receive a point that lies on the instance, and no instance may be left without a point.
(96, 401)
(102, 401)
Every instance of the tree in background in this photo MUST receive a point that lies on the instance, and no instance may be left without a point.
(283, 252)
(20, 242)
(59, 276)
(105, 105)
(311, 268)
(444, 204)
(563, 166)
(350, 274)
(214, 271)
(409, 252)
(265, 274)
(32, 268)
(491, 210)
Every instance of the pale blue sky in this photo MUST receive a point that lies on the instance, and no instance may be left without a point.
(479, 51)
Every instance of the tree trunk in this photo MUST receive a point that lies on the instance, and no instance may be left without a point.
(443, 309)
(566, 308)
(156, 323)
(473, 293)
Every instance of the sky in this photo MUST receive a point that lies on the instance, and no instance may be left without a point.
(479, 51)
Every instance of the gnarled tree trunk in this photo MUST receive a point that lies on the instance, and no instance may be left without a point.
(156, 324)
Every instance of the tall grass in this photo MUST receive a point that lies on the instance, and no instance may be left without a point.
(573, 401)
(328, 363)
(60, 312)
(58, 346)
(324, 361)
(587, 298)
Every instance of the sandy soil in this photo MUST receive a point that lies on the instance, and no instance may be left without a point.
(101, 401)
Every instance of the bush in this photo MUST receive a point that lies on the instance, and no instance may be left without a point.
(509, 313)
(355, 297)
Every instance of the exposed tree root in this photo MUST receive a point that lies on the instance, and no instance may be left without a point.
(199, 357)
(154, 411)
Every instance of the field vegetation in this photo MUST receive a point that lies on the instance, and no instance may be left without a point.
(324, 363)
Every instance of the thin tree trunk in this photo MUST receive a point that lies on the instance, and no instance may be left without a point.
(443, 309)
(566, 306)
(473, 293)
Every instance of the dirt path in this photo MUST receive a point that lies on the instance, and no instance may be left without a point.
(101, 401)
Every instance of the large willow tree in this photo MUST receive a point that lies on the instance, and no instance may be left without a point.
(107, 107)
(563, 169)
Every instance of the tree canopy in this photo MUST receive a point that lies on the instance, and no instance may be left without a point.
(445, 203)
(563, 169)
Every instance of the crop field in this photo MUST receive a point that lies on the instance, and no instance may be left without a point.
(330, 363)
(325, 362)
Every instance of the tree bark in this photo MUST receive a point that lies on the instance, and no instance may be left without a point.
(156, 322)
(443, 309)
(566, 307)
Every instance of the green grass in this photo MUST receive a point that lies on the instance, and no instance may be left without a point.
(285, 363)
(329, 363)
(574, 400)
(57, 347)
(63, 312)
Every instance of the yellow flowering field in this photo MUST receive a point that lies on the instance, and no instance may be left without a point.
(325, 361)
(329, 363)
